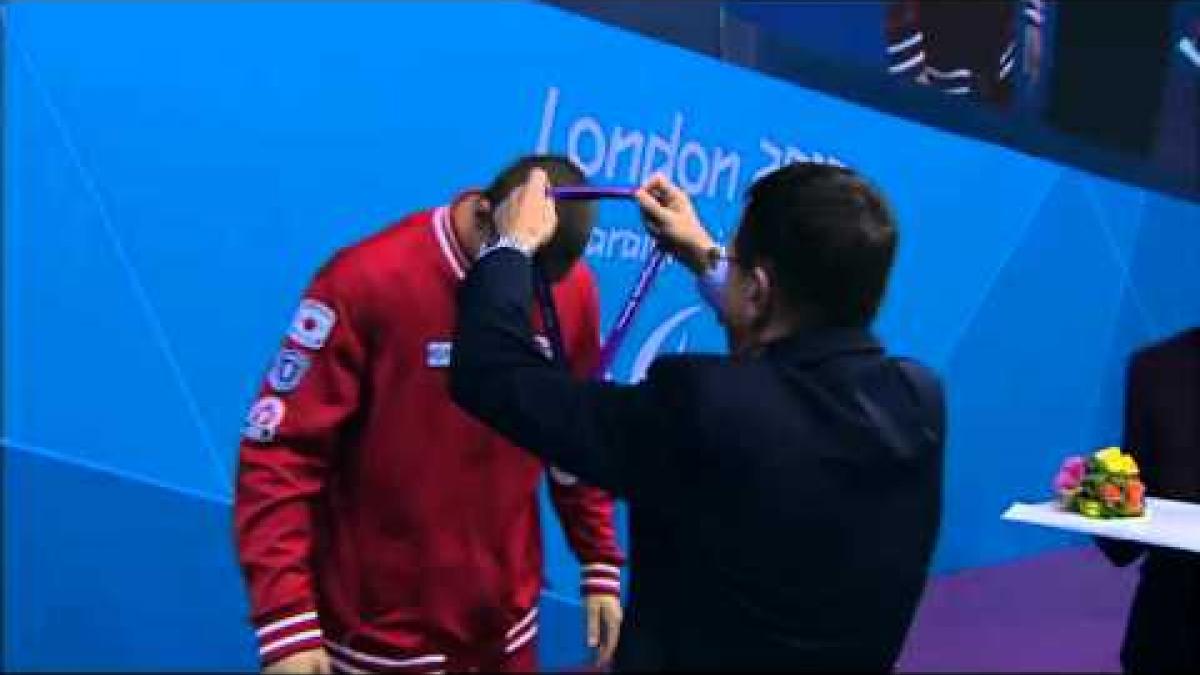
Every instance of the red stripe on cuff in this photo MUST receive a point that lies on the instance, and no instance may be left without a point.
(614, 575)
(282, 650)
(282, 637)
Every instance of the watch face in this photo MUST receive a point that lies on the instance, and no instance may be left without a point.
(714, 257)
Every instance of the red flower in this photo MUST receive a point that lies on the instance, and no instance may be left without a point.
(1136, 491)
(1111, 494)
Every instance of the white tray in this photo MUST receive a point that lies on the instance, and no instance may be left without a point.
(1166, 523)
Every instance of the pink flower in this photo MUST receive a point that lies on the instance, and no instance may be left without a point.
(1075, 466)
(1071, 474)
(1065, 482)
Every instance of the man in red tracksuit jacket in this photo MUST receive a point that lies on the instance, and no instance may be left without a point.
(379, 527)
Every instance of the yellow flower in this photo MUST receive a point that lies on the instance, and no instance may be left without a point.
(1113, 461)
(1111, 464)
(1127, 466)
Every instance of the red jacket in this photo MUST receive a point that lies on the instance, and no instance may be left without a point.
(373, 515)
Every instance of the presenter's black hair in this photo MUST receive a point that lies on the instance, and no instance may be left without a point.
(826, 237)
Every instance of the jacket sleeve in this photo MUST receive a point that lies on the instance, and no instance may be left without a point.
(1138, 443)
(288, 441)
(905, 43)
(586, 512)
(609, 436)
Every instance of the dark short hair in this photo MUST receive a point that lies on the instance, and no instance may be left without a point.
(575, 219)
(826, 237)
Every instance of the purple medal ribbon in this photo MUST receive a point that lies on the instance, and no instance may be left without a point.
(616, 335)
(592, 192)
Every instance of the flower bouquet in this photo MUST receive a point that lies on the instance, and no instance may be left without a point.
(1105, 485)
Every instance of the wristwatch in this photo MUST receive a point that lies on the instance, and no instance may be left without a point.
(712, 280)
(503, 241)
(713, 258)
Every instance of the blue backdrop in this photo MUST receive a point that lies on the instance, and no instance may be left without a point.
(177, 172)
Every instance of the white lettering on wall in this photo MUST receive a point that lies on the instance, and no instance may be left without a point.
(631, 155)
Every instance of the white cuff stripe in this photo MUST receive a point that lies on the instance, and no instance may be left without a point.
(950, 74)
(901, 67)
(958, 90)
(521, 641)
(602, 567)
(290, 640)
(1189, 50)
(381, 661)
(1008, 52)
(284, 623)
(605, 575)
(1033, 15)
(911, 40)
(1006, 69)
(521, 624)
(343, 666)
(603, 583)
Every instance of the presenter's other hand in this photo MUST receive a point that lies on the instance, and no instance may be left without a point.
(528, 214)
(310, 662)
(672, 220)
(603, 626)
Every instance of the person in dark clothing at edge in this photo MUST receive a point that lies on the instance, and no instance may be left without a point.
(1162, 430)
(784, 500)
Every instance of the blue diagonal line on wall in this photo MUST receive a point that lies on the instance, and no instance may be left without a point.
(1018, 242)
(139, 290)
(1123, 267)
(565, 599)
(1127, 288)
(74, 459)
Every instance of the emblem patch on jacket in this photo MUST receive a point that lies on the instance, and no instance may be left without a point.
(437, 353)
(287, 371)
(312, 324)
(263, 419)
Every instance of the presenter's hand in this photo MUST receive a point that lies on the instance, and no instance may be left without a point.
(603, 626)
(672, 220)
(528, 214)
(310, 662)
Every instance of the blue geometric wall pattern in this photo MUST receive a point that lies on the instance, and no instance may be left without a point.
(175, 173)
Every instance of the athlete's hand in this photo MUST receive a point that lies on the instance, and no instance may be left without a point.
(309, 662)
(528, 214)
(603, 625)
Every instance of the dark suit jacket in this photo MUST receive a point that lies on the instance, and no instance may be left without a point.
(783, 507)
(1162, 431)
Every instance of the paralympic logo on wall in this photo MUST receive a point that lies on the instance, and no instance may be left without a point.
(669, 336)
